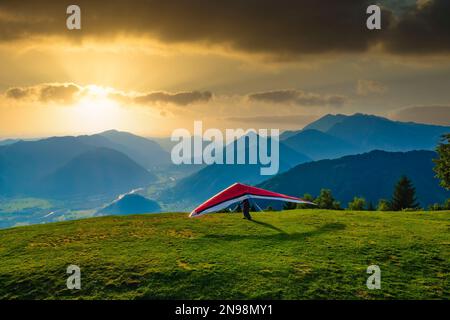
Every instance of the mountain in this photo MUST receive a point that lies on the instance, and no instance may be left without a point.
(371, 132)
(8, 141)
(131, 204)
(146, 152)
(97, 171)
(333, 136)
(213, 178)
(371, 175)
(326, 122)
(319, 145)
(25, 162)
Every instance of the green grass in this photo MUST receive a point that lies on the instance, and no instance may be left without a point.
(301, 254)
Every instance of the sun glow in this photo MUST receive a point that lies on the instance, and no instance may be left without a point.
(95, 110)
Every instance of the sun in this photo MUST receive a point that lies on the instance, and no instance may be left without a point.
(95, 110)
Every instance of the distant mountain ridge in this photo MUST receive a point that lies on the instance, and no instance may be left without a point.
(144, 151)
(8, 141)
(370, 175)
(345, 135)
(325, 123)
(320, 145)
(213, 178)
(40, 167)
(97, 171)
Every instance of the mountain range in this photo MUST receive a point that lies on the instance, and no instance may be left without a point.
(95, 172)
(114, 162)
(333, 136)
(213, 178)
(55, 167)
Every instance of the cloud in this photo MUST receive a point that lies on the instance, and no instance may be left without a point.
(279, 28)
(275, 119)
(366, 87)
(439, 115)
(422, 30)
(59, 93)
(180, 98)
(63, 93)
(68, 93)
(17, 93)
(298, 97)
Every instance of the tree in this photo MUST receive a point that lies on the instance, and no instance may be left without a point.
(370, 206)
(357, 204)
(306, 197)
(404, 196)
(442, 167)
(289, 205)
(447, 204)
(437, 206)
(384, 205)
(325, 200)
(336, 205)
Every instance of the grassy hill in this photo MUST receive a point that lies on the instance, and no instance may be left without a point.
(297, 254)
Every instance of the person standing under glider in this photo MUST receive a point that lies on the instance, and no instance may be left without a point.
(241, 193)
(246, 209)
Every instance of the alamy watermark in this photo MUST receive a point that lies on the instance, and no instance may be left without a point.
(239, 147)
(74, 280)
(374, 280)
(73, 21)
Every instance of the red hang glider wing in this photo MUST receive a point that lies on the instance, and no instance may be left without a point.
(237, 193)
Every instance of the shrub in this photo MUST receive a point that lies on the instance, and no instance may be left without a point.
(384, 205)
(435, 207)
(306, 197)
(357, 204)
(325, 200)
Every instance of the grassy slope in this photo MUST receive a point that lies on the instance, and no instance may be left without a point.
(287, 255)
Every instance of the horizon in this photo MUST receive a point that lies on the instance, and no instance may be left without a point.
(150, 136)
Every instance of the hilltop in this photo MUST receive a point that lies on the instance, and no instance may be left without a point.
(300, 254)
(131, 204)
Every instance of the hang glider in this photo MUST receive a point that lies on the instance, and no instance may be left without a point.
(237, 193)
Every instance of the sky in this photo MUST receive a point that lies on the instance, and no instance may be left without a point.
(150, 67)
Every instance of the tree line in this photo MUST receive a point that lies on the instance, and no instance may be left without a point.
(403, 199)
(403, 196)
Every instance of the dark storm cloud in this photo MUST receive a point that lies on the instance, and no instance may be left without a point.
(298, 97)
(424, 114)
(180, 98)
(424, 29)
(281, 28)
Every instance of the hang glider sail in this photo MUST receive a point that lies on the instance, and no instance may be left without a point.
(237, 193)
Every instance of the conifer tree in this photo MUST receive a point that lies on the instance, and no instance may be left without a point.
(404, 196)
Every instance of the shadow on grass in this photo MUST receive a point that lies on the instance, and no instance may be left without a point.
(268, 225)
(281, 235)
